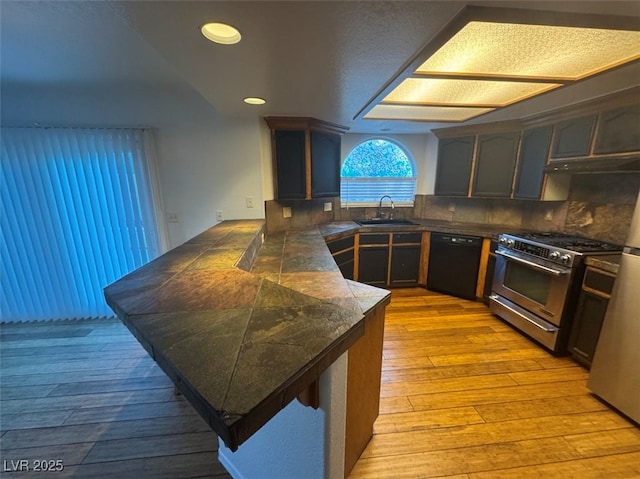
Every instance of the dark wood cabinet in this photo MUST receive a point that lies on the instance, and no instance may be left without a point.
(534, 152)
(373, 264)
(405, 265)
(290, 164)
(618, 131)
(343, 251)
(346, 263)
(455, 156)
(405, 259)
(325, 164)
(590, 312)
(495, 164)
(306, 155)
(573, 137)
(389, 259)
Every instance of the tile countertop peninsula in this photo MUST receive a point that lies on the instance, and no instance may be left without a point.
(241, 327)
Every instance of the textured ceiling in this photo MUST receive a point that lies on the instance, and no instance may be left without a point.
(322, 59)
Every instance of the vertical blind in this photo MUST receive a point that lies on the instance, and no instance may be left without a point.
(76, 213)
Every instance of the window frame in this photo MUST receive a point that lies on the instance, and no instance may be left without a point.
(381, 179)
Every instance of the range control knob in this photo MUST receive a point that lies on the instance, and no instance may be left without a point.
(503, 241)
(565, 258)
(510, 243)
(555, 256)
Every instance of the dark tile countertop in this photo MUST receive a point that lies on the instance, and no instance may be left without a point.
(607, 262)
(242, 327)
(338, 229)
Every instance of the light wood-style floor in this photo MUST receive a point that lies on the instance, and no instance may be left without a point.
(463, 396)
(87, 394)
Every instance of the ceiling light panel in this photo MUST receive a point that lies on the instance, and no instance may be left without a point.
(488, 93)
(424, 113)
(532, 51)
(489, 58)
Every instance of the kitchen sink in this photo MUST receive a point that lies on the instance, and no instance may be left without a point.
(385, 222)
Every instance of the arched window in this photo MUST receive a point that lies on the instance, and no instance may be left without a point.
(375, 168)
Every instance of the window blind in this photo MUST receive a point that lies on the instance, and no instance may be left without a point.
(76, 213)
(369, 190)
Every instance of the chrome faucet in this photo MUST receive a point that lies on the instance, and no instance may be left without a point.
(380, 214)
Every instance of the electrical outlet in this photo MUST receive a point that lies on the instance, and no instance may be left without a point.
(249, 201)
(327, 206)
(172, 218)
(219, 216)
(286, 211)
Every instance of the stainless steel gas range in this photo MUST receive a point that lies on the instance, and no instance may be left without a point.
(537, 280)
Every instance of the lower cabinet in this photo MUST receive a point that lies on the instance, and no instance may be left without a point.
(364, 372)
(373, 265)
(343, 252)
(389, 259)
(590, 312)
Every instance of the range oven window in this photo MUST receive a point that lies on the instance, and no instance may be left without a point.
(533, 284)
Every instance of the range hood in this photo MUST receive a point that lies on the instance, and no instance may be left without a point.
(600, 164)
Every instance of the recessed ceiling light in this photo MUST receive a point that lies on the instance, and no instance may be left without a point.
(221, 33)
(254, 100)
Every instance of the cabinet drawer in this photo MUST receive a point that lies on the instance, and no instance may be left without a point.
(598, 282)
(341, 244)
(404, 238)
(376, 238)
(344, 257)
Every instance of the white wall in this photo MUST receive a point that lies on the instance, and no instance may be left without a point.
(424, 149)
(299, 442)
(205, 162)
(209, 166)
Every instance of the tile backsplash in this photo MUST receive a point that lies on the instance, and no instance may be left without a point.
(599, 206)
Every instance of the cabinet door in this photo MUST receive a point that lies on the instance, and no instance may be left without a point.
(372, 265)
(290, 164)
(454, 166)
(534, 152)
(325, 164)
(573, 137)
(495, 164)
(586, 327)
(341, 244)
(405, 265)
(618, 131)
(345, 262)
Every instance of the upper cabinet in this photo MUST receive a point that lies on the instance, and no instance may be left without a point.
(573, 137)
(454, 166)
(534, 151)
(306, 157)
(495, 164)
(618, 131)
(533, 158)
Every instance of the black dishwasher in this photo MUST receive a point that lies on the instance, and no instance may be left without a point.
(454, 261)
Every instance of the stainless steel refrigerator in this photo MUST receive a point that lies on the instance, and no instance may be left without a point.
(615, 371)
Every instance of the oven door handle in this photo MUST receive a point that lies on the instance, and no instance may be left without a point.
(544, 269)
(547, 329)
